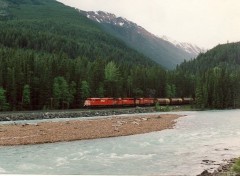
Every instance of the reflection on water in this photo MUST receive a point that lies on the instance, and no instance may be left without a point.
(209, 135)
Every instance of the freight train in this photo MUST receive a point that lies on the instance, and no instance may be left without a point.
(128, 102)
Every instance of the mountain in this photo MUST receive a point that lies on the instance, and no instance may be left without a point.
(52, 56)
(192, 49)
(215, 77)
(158, 49)
(224, 55)
(37, 20)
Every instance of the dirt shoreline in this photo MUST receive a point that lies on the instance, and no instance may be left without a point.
(50, 132)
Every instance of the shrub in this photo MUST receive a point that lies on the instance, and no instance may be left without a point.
(236, 166)
(162, 108)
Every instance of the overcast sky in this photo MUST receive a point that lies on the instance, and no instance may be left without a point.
(202, 22)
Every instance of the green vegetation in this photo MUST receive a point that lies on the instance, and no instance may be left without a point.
(3, 102)
(26, 96)
(62, 93)
(213, 78)
(236, 167)
(162, 108)
(85, 90)
(51, 56)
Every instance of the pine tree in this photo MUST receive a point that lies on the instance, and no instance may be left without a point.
(26, 96)
(61, 93)
(112, 78)
(85, 90)
(3, 102)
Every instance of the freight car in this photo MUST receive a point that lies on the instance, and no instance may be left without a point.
(121, 102)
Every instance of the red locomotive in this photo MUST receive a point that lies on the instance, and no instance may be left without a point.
(119, 102)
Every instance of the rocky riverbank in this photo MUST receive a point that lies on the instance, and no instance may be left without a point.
(49, 132)
(222, 170)
(13, 116)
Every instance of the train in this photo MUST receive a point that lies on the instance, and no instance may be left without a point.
(131, 102)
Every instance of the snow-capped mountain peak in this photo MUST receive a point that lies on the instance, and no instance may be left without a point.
(105, 17)
(162, 50)
(188, 47)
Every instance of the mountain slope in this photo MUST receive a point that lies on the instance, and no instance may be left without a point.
(39, 22)
(160, 50)
(192, 49)
(216, 76)
(53, 57)
(221, 55)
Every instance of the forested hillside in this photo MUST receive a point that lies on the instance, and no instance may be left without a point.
(217, 77)
(136, 37)
(51, 56)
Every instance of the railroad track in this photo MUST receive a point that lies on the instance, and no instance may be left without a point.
(70, 110)
(72, 113)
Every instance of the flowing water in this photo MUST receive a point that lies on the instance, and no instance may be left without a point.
(207, 135)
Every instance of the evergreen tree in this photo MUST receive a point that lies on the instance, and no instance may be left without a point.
(112, 76)
(85, 90)
(170, 90)
(26, 96)
(129, 85)
(199, 95)
(61, 93)
(3, 102)
(72, 92)
(100, 90)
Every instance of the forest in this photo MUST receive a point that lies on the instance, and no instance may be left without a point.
(55, 63)
(52, 57)
(217, 77)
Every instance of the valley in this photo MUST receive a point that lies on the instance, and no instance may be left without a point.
(54, 57)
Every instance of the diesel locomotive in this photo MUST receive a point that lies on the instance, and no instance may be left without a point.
(124, 102)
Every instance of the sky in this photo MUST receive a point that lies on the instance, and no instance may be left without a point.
(205, 23)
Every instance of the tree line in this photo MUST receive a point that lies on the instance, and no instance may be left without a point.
(48, 62)
(32, 80)
(217, 77)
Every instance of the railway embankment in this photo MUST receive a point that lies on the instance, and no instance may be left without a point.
(35, 115)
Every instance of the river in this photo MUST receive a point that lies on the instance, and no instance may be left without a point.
(199, 136)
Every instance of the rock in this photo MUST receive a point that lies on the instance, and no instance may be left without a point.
(220, 169)
(208, 161)
(135, 123)
(8, 119)
(116, 129)
(119, 123)
(204, 173)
